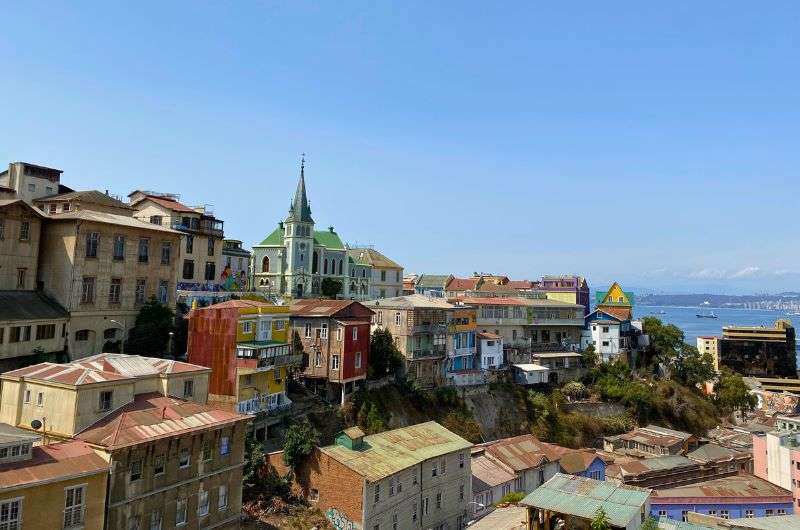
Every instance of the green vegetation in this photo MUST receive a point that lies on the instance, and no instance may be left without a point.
(651, 523)
(384, 357)
(575, 390)
(511, 498)
(600, 520)
(331, 288)
(590, 357)
(301, 438)
(150, 334)
(732, 394)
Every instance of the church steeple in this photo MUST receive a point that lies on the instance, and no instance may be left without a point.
(300, 210)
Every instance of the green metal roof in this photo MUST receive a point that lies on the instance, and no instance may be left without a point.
(328, 239)
(275, 239)
(390, 452)
(628, 294)
(581, 497)
(261, 343)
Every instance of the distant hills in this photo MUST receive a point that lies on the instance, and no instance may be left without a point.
(786, 300)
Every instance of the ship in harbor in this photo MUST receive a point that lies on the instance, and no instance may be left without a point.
(704, 312)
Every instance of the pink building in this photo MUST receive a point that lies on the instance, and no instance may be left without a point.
(776, 458)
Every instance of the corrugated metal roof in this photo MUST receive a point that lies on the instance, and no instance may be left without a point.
(52, 462)
(779, 522)
(737, 487)
(524, 452)
(488, 473)
(389, 452)
(411, 301)
(9, 433)
(29, 305)
(110, 218)
(581, 497)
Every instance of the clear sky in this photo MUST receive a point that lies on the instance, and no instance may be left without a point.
(655, 144)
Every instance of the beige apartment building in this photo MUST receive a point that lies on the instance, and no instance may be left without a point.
(199, 257)
(30, 181)
(20, 233)
(386, 276)
(174, 461)
(102, 265)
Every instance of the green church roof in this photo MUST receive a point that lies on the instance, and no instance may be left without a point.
(600, 296)
(328, 239)
(275, 239)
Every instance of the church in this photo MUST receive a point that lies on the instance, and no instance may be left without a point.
(294, 259)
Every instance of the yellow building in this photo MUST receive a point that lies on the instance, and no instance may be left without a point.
(709, 345)
(61, 485)
(246, 344)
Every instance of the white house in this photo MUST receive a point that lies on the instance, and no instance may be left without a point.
(490, 348)
(530, 374)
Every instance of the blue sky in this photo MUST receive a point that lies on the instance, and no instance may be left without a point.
(653, 144)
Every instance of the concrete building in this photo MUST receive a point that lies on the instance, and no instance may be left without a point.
(20, 236)
(30, 181)
(760, 351)
(236, 271)
(490, 349)
(462, 362)
(530, 374)
(420, 327)
(31, 323)
(651, 440)
(616, 302)
(432, 285)
(416, 477)
(571, 289)
(199, 256)
(386, 279)
(775, 458)
(534, 462)
(611, 336)
(246, 345)
(294, 259)
(569, 501)
(61, 485)
(740, 496)
(709, 344)
(671, 471)
(491, 481)
(562, 366)
(335, 335)
(102, 265)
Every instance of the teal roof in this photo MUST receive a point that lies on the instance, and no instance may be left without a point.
(599, 296)
(275, 239)
(261, 343)
(581, 497)
(328, 239)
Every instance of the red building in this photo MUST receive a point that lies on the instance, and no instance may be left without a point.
(335, 337)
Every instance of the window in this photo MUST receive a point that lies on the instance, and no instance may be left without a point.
(139, 292)
(10, 514)
(684, 515)
(339, 334)
(377, 493)
(210, 247)
(87, 290)
(605, 329)
(768, 513)
(65, 207)
(435, 470)
(188, 269)
(188, 388)
(136, 470)
(414, 512)
(163, 291)
(156, 219)
(202, 503)
(308, 331)
(460, 492)
(181, 512)
(712, 512)
(425, 505)
(748, 514)
(358, 359)
(155, 520)
(325, 266)
(414, 477)
(105, 400)
(27, 396)
(723, 514)
(158, 464)
(443, 465)
(391, 486)
(247, 327)
(74, 502)
(276, 375)
(45, 331)
(183, 458)
(114, 290)
(21, 278)
(205, 451)
(222, 498)
(32, 187)
(166, 252)
(355, 333)
(397, 319)
(318, 358)
(662, 513)
(334, 362)
(211, 268)
(189, 244)
(224, 445)
(92, 238)
(461, 460)
(119, 248)
(265, 264)
(438, 500)
(39, 399)
(144, 250)
(323, 333)
(781, 511)
(82, 335)
(394, 521)
(24, 230)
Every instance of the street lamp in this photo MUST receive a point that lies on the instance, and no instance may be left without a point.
(124, 334)
(169, 345)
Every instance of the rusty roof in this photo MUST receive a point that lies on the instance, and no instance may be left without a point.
(488, 472)
(656, 436)
(462, 284)
(524, 452)
(153, 416)
(488, 335)
(577, 461)
(238, 304)
(68, 374)
(48, 463)
(319, 307)
(390, 452)
(628, 466)
(166, 202)
(724, 490)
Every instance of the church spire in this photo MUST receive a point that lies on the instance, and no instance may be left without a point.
(300, 211)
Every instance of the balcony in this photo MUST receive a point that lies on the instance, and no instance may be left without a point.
(429, 328)
(460, 352)
(432, 351)
(263, 404)
(556, 322)
(208, 227)
(277, 361)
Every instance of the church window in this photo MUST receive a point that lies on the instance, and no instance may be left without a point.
(325, 266)
(302, 258)
(315, 263)
(265, 264)
(340, 267)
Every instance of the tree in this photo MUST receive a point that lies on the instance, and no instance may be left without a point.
(254, 459)
(150, 333)
(651, 523)
(331, 288)
(298, 349)
(575, 390)
(301, 438)
(666, 341)
(590, 356)
(384, 357)
(691, 368)
(732, 393)
(600, 520)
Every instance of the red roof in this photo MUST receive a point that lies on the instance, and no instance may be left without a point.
(462, 284)
(53, 462)
(524, 452)
(487, 335)
(168, 203)
(153, 416)
(520, 284)
(494, 301)
(68, 374)
(321, 307)
(238, 304)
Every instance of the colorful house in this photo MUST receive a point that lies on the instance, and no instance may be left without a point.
(616, 302)
(462, 348)
(246, 344)
(610, 334)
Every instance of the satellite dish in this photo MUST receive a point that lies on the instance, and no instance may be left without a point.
(36, 424)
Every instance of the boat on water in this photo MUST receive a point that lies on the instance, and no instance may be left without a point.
(704, 312)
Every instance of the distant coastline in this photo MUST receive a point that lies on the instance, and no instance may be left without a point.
(789, 301)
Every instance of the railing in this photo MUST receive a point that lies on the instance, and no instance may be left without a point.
(429, 328)
(458, 352)
(269, 363)
(261, 404)
(475, 377)
(203, 227)
(420, 353)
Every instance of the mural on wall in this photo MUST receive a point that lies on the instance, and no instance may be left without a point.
(340, 520)
(232, 281)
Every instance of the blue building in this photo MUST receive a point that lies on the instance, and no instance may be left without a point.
(739, 496)
(584, 463)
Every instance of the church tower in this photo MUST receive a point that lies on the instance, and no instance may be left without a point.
(299, 240)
